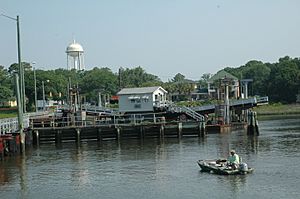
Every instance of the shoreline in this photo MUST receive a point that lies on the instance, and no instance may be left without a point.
(278, 109)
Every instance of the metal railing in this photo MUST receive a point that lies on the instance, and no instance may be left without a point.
(10, 125)
(188, 111)
(91, 121)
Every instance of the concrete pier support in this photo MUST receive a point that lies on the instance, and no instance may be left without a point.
(179, 130)
(78, 131)
(58, 136)
(99, 135)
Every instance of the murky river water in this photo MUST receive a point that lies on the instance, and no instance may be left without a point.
(160, 169)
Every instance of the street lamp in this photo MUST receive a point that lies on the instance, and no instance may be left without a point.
(21, 69)
(44, 101)
(20, 87)
(35, 92)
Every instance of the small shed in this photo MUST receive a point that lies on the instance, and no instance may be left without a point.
(143, 99)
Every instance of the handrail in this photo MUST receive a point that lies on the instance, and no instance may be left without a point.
(190, 112)
(10, 125)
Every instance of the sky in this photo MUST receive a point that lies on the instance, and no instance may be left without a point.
(165, 37)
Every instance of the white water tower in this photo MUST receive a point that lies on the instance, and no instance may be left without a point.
(75, 53)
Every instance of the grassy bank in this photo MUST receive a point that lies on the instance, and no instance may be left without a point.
(7, 113)
(278, 109)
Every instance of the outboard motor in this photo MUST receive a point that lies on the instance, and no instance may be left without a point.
(243, 167)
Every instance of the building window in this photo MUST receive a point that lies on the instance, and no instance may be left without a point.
(137, 106)
(134, 99)
(145, 98)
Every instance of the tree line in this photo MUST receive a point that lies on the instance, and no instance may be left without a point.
(280, 81)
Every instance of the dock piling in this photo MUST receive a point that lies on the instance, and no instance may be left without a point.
(162, 131)
(118, 133)
(179, 129)
(99, 135)
(252, 128)
(58, 136)
(78, 135)
(142, 132)
(36, 138)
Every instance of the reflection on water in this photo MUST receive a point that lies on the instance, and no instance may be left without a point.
(154, 168)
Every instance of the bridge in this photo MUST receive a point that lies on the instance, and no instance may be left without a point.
(10, 125)
(241, 104)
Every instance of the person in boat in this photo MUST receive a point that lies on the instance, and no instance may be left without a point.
(233, 160)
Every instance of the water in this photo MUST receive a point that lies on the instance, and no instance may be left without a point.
(160, 169)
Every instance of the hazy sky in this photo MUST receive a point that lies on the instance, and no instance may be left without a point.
(165, 37)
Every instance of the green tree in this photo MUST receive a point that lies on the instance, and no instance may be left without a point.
(97, 80)
(6, 86)
(284, 80)
(137, 77)
(6, 94)
(259, 72)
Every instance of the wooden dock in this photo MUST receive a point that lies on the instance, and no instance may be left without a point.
(49, 129)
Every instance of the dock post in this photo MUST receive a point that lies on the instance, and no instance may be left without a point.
(1, 149)
(99, 135)
(179, 129)
(78, 135)
(58, 136)
(118, 133)
(36, 138)
(256, 123)
(252, 128)
(201, 128)
(142, 132)
(162, 131)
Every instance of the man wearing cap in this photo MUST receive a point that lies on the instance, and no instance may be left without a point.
(233, 160)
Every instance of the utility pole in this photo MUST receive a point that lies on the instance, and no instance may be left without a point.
(20, 113)
(20, 85)
(35, 91)
(43, 87)
(21, 69)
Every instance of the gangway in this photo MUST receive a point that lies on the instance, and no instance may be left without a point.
(241, 103)
(188, 111)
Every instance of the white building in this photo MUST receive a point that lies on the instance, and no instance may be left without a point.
(144, 99)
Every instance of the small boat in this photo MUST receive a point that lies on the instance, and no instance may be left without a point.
(220, 167)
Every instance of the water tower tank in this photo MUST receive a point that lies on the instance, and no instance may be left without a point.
(75, 51)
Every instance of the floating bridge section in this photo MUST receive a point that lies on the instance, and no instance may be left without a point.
(238, 104)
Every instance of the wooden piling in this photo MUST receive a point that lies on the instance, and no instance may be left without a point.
(162, 131)
(99, 135)
(179, 129)
(142, 132)
(118, 133)
(36, 138)
(78, 135)
(58, 136)
(252, 128)
(201, 129)
(1, 148)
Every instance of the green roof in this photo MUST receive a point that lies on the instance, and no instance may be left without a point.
(221, 75)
